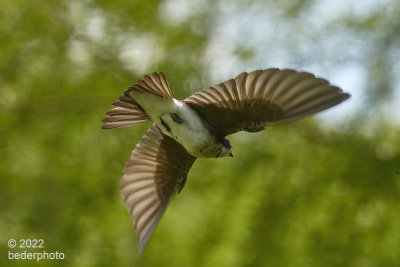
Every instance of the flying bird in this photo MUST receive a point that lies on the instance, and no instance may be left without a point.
(197, 126)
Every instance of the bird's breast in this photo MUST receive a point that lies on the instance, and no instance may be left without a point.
(189, 129)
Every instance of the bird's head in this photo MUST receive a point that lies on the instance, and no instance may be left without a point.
(226, 148)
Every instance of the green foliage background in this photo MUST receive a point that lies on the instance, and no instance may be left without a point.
(296, 194)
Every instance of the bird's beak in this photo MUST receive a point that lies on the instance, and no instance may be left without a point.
(230, 154)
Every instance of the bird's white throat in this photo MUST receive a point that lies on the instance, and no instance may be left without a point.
(191, 132)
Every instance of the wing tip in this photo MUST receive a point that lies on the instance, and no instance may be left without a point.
(141, 247)
(346, 96)
(106, 127)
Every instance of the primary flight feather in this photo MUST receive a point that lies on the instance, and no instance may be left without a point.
(196, 127)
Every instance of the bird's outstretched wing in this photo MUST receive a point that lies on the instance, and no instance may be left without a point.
(157, 169)
(253, 100)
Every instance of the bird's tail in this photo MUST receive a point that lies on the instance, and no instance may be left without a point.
(127, 111)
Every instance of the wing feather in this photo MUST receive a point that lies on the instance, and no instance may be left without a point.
(157, 169)
(259, 98)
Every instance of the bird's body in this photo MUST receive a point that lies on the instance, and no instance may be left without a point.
(180, 122)
(196, 128)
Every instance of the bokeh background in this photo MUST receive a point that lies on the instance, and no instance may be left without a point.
(321, 191)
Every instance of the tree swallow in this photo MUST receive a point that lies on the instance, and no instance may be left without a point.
(196, 127)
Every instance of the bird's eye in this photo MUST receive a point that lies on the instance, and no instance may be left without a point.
(176, 118)
(226, 143)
